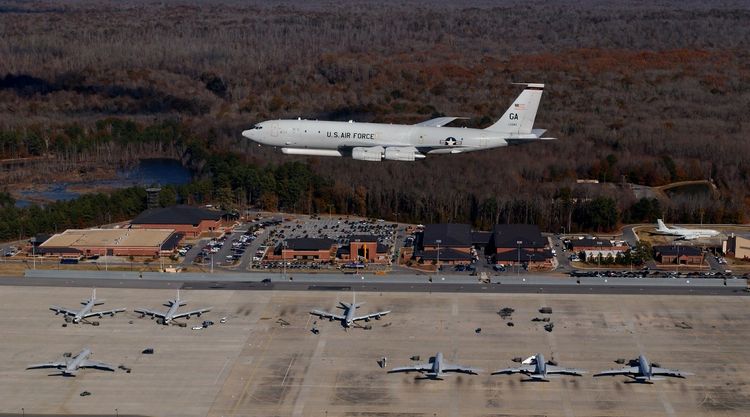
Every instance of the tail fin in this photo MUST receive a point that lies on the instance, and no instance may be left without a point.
(662, 226)
(519, 118)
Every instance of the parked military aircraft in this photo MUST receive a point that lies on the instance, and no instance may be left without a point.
(86, 311)
(70, 365)
(348, 319)
(171, 314)
(538, 369)
(642, 371)
(377, 141)
(681, 232)
(436, 367)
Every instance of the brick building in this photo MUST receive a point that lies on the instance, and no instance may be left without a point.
(111, 242)
(687, 255)
(188, 220)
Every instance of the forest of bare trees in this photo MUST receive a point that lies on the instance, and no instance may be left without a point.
(646, 93)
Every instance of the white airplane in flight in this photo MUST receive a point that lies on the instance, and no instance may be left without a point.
(77, 316)
(681, 232)
(378, 141)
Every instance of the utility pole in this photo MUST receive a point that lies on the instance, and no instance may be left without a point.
(518, 264)
(438, 241)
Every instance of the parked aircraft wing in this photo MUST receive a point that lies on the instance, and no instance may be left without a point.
(63, 310)
(327, 315)
(509, 371)
(47, 365)
(551, 369)
(669, 372)
(147, 312)
(101, 313)
(461, 369)
(631, 370)
(438, 121)
(372, 315)
(192, 313)
(422, 367)
(97, 365)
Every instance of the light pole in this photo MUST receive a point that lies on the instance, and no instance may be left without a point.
(283, 260)
(599, 258)
(212, 262)
(438, 241)
(518, 264)
(33, 250)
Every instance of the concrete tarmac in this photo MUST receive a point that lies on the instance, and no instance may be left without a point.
(265, 361)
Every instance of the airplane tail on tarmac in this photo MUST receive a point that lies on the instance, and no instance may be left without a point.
(518, 120)
(662, 227)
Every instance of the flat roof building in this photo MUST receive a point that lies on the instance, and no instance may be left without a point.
(305, 249)
(111, 242)
(364, 247)
(688, 255)
(737, 247)
(513, 242)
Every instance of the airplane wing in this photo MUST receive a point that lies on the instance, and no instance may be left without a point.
(631, 370)
(509, 371)
(326, 315)
(47, 365)
(192, 313)
(669, 372)
(461, 369)
(96, 313)
(63, 310)
(372, 315)
(438, 121)
(551, 369)
(147, 312)
(422, 367)
(97, 365)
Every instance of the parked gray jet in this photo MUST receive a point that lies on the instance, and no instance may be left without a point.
(436, 367)
(642, 371)
(348, 319)
(538, 369)
(69, 366)
(171, 314)
(76, 316)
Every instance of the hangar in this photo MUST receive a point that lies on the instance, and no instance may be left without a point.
(111, 242)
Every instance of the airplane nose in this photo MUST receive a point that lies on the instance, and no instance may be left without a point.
(247, 133)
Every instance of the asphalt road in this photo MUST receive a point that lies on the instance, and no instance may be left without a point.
(380, 287)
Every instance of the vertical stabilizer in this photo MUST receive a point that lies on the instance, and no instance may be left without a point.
(662, 227)
(519, 118)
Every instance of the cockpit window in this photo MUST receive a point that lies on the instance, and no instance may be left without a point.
(257, 127)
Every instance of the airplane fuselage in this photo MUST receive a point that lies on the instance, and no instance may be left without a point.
(75, 363)
(644, 368)
(437, 365)
(339, 138)
(84, 311)
(349, 316)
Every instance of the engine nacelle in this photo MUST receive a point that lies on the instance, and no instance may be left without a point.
(402, 153)
(373, 153)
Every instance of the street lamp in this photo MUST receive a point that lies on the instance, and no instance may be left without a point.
(518, 264)
(33, 250)
(283, 259)
(438, 241)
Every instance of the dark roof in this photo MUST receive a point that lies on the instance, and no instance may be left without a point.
(363, 238)
(525, 255)
(307, 243)
(508, 236)
(675, 250)
(446, 254)
(172, 241)
(481, 238)
(180, 214)
(382, 248)
(593, 243)
(449, 234)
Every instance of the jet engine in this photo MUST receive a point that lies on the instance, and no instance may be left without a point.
(372, 153)
(403, 153)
